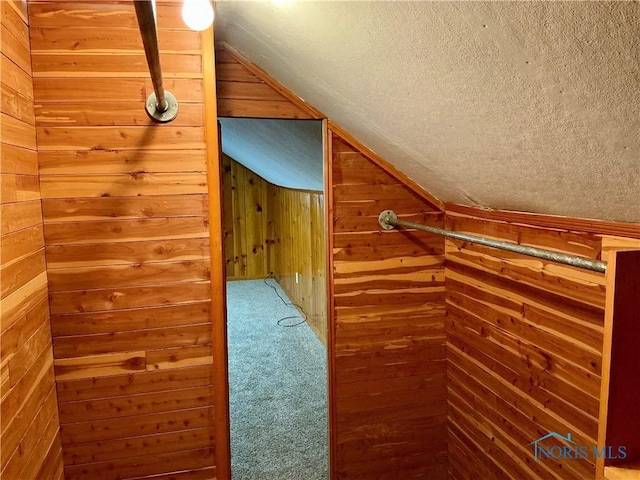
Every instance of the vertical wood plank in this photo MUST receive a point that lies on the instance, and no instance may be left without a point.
(218, 281)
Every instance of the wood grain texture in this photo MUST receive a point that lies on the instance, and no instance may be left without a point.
(29, 427)
(245, 217)
(600, 227)
(244, 90)
(108, 15)
(121, 161)
(126, 230)
(524, 350)
(274, 231)
(619, 412)
(387, 331)
(296, 223)
(218, 284)
(229, 56)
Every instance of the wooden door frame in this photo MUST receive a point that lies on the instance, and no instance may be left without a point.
(218, 313)
(331, 334)
(218, 276)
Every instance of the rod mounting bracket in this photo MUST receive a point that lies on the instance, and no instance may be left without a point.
(387, 218)
(169, 114)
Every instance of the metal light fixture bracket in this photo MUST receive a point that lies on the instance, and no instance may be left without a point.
(387, 219)
(162, 116)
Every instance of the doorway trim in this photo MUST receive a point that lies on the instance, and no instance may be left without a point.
(218, 270)
(218, 315)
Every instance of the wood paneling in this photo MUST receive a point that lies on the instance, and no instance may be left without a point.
(245, 222)
(600, 227)
(524, 351)
(126, 230)
(270, 230)
(30, 429)
(387, 334)
(296, 225)
(245, 90)
(620, 405)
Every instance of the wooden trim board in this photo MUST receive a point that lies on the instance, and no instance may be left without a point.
(218, 283)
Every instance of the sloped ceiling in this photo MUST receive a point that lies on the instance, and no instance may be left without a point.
(287, 153)
(529, 106)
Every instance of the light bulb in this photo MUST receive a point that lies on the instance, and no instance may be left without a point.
(197, 14)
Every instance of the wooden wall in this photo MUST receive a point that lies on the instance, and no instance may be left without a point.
(524, 350)
(126, 233)
(245, 222)
(270, 230)
(387, 327)
(291, 241)
(297, 230)
(620, 391)
(245, 90)
(30, 430)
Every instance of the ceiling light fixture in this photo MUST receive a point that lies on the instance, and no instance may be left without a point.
(197, 14)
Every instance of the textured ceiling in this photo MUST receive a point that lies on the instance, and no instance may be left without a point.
(287, 153)
(530, 106)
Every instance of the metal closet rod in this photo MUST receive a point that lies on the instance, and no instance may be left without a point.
(388, 219)
(161, 105)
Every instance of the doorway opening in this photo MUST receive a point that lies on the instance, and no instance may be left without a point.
(275, 265)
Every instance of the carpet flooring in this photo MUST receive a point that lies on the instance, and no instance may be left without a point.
(277, 379)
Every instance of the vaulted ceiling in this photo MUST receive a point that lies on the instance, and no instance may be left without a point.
(528, 106)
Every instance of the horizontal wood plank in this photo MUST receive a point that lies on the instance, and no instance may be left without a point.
(117, 65)
(117, 40)
(66, 256)
(16, 106)
(94, 366)
(154, 444)
(19, 188)
(247, 91)
(20, 243)
(121, 161)
(156, 206)
(17, 132)
(251, 108)
(124, 385)
(122, 185)
(122, 138)
(15, 46)
(163, 463)
(21, 271)
(89, 90)
(108, 299)
(100, 15)
(16, 78)
(18, 216)
(136, 425)
(101, 114)
(17, 160)
(133, 319)
(128, 275)
(153, 339)
(90, 410)
(126, 230)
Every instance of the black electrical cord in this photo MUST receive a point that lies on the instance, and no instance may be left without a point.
(288, 304)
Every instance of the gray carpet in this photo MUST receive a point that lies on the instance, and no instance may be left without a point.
(277, 378)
